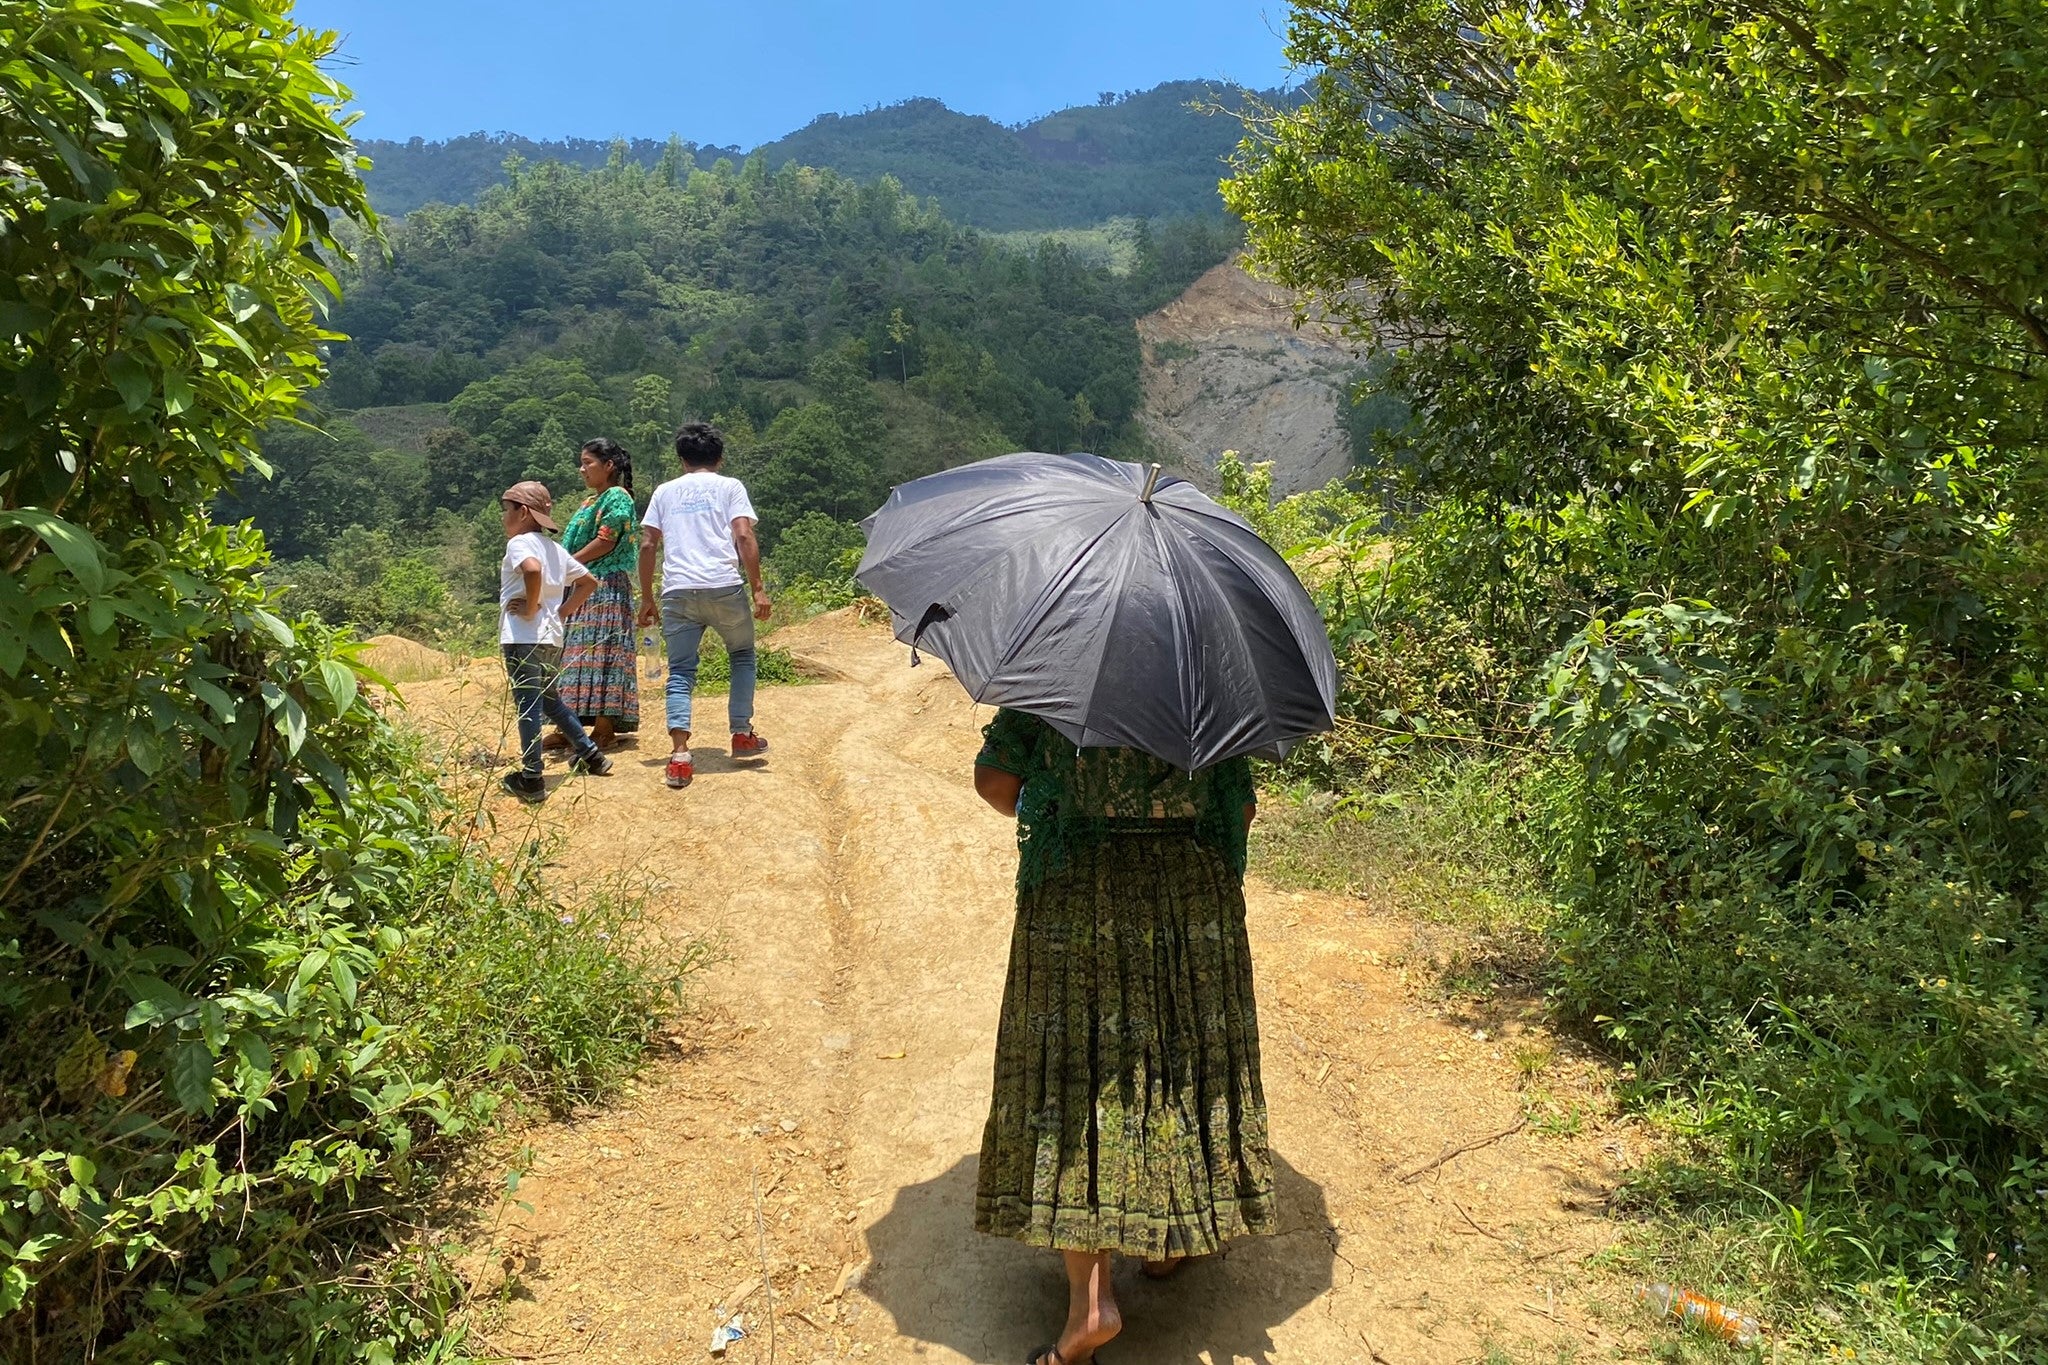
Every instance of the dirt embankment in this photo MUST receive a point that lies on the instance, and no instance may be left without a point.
(1226, 369)
(817, 1121)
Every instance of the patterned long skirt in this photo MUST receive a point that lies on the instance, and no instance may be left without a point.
(1128, 1113)
(599, 668)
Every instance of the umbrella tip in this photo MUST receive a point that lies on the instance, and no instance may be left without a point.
(1151, 482)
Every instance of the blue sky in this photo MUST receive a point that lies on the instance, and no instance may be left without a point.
(748, 73)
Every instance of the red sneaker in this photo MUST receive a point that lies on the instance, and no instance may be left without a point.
(680, 771)
(748, 745)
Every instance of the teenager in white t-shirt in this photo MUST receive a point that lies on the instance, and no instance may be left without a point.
(702, 528)
(539, 583)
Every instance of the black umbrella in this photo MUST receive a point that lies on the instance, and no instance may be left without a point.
(1125, 608)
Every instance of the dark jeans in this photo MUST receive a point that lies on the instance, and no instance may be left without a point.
(533, 670)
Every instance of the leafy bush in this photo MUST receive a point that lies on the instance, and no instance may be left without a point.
(1289, 524)
(1725, 352)
(365, 582)
(813, 564)
(218, 1102)
(815, 547)
(772, 667)
(505, 990)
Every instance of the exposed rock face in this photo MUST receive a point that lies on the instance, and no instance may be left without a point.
(1226, 369)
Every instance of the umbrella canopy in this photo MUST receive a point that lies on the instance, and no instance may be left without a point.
(1125, 608)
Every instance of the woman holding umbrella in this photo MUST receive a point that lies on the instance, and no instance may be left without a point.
(1128, 1114)
(1143, 641)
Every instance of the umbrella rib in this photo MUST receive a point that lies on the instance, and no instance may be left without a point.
(1184, 628)
(1173, 548)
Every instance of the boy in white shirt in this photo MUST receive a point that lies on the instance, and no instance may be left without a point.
(539, 583)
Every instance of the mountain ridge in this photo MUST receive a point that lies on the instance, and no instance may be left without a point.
(1155, 153)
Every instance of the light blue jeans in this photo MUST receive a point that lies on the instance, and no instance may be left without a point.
(685, 615)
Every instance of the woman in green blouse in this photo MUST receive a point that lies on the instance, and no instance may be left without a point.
(1128, 1114)
(600, 677)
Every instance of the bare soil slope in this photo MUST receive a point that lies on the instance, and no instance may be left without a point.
(835, 1076)
(1226, 369)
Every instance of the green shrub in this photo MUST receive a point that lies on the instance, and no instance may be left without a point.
(1721, 330)
(815, 547)
(367, 583)
(1288, 524)
(221, 1097)
(505, 988)
(812, 567)
(773, 667)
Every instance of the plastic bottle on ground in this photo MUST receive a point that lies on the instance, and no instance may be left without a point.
(1683, 1305)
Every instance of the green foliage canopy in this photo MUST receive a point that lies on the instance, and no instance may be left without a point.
(846, 336)
(1725, 328)
(219, 868)
(1156, 153)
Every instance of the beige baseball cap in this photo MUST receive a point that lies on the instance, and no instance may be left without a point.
(533, 495)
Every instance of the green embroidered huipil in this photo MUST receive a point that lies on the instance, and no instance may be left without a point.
(1127, 1112)
(613, 508)
(1075, 798)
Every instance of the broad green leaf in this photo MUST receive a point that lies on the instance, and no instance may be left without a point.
(191, 1077)
(155, 1001)
(339, 681)
(131, 380)
(280, 633)
(291, 723)
(145, 747)
(74, 547)
(344, 977)
(21, 319)
(254, 1052)
(177, 392)
(244, 301)
(310, 966)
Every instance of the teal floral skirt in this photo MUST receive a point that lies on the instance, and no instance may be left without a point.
(1128, 1113)
(600, 670)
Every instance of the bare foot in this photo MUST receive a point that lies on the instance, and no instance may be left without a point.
(554, 740)
(1084, 1337)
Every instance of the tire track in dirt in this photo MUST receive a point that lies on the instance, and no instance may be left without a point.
(838, 1062)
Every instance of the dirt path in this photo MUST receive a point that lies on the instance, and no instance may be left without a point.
(839, 1062)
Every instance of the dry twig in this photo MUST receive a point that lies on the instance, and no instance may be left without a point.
(767, 1280)
(1473, 1223)
(1517, 1126)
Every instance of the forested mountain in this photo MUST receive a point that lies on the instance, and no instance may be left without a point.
(847, 336)
(415, 172)
(1148, 154)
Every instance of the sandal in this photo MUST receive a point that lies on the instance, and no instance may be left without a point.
(1050, 1355)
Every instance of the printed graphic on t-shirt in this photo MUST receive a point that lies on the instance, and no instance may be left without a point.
(695, 514)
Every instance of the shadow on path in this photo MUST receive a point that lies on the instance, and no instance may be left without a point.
(993, 1300)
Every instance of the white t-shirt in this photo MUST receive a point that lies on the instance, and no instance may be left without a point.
(558, 569)
(695, 514)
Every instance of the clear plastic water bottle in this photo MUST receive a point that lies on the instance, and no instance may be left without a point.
(1711, 1315)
